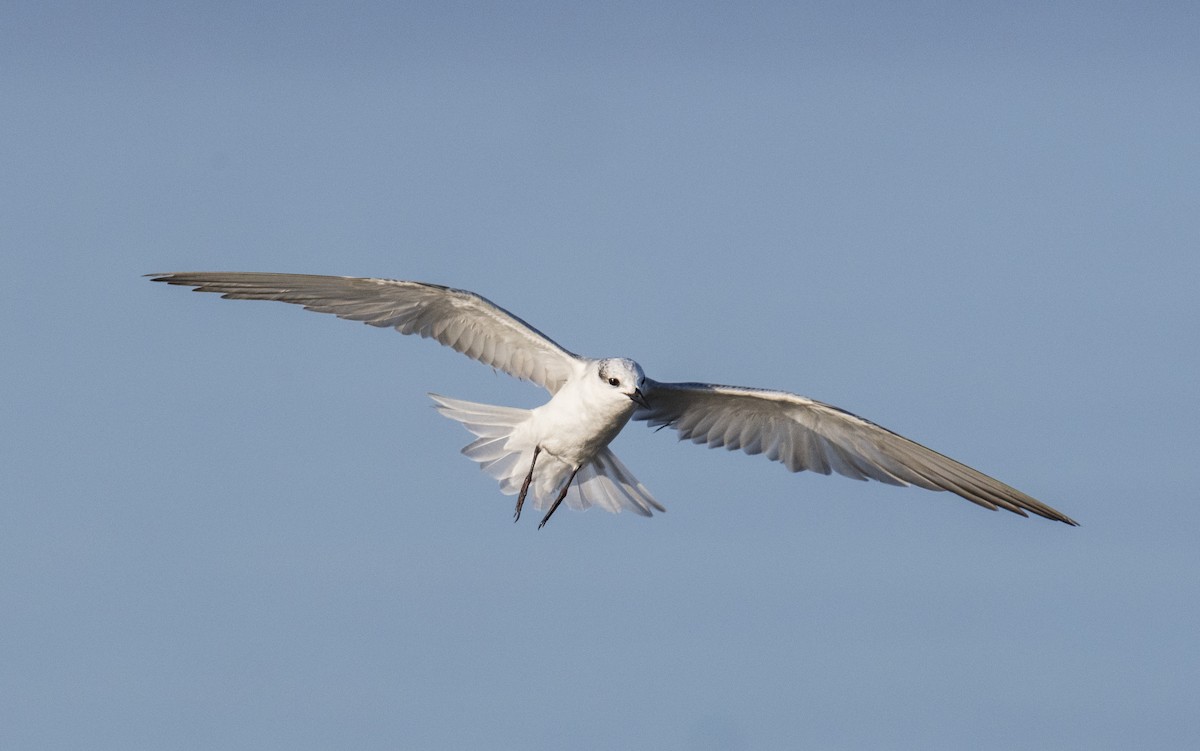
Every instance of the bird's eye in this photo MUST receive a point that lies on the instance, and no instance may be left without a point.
(614, 382)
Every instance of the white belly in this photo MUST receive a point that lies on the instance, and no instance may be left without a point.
(575, 426)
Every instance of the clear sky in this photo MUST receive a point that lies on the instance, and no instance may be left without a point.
(241, 526)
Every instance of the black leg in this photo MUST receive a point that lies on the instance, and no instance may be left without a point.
(560, 498)
(525, 485)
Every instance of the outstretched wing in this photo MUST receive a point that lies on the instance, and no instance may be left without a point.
(462, 320)
(805, 434)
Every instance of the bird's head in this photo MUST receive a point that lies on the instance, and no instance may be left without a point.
(624, 376)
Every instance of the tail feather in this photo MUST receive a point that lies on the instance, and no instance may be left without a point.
(484, 420)
(607, 483)
(509, 470)
(604, 482)
(487, 449)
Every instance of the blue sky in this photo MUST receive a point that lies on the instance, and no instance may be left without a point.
(238, 525)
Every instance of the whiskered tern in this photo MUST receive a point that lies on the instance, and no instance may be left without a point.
(559, 451)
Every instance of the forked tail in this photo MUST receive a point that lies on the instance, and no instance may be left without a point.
(604, 482)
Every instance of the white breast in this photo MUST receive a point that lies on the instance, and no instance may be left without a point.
(580, 420)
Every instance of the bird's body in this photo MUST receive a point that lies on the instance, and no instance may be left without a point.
(569, 433)
(559, 451)
(582, 417)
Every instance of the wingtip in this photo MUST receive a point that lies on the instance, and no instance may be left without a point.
(1057, 516)
(170, 277)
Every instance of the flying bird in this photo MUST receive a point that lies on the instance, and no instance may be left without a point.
(559, 451)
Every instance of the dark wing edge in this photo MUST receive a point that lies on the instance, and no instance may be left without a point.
(462, 320)
(804, 434)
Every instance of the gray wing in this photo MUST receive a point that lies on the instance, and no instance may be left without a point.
(805, 434)
(462, 320)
